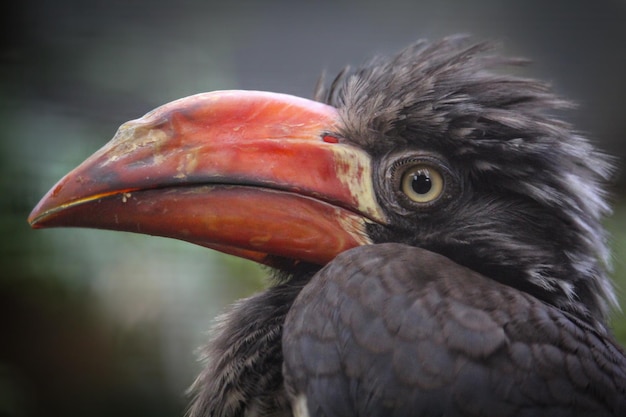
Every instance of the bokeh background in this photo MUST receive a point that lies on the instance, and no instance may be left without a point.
(96, 323)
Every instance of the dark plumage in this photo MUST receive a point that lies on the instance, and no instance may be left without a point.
(524, 209)
(473, 278)
(395, 330)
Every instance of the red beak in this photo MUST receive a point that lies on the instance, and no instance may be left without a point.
(259, 175)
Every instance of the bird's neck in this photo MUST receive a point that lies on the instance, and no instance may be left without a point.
(243, 360)
(565, 287)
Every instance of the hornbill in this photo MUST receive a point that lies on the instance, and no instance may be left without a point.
(434, 227)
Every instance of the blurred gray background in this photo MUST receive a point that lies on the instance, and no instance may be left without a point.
(106, 324)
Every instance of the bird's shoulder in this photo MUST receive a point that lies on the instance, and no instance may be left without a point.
(400, 330)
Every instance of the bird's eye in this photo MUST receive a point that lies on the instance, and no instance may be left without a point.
(418, 182)
(422, 183)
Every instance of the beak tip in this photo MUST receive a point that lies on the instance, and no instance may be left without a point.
(41, 214)
(36, 216)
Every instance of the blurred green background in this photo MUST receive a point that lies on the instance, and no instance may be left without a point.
(106, 324)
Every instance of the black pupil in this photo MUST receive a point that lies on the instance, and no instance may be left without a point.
(421, 182)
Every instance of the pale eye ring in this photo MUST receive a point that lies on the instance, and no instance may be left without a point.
(422, 183)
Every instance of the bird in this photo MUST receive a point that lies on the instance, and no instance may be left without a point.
(432, 225)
